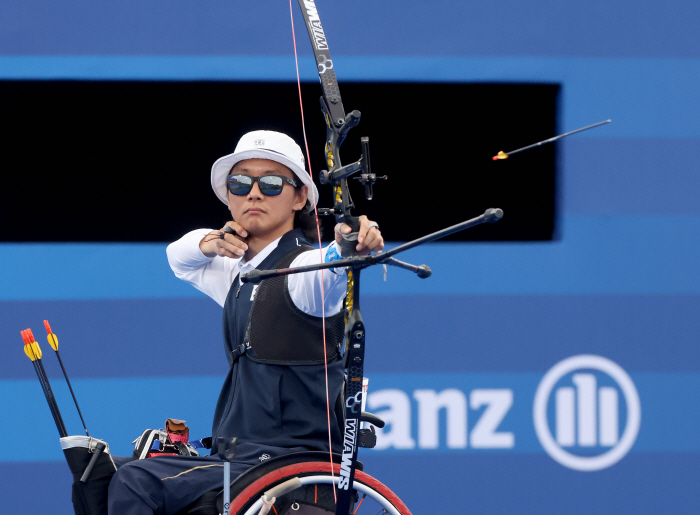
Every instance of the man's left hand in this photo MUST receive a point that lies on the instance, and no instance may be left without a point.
(369, 239)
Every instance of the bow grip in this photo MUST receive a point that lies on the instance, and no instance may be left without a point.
(347, 246)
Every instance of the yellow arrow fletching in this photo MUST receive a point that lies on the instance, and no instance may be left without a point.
(53, 341)
(28, 352)
(32, 350)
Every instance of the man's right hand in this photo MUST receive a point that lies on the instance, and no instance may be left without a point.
(233, 246)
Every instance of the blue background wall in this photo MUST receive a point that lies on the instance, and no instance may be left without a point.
(620, 282)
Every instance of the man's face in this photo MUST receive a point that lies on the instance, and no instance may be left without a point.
(260, 214)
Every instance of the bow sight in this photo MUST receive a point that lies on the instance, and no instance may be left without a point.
(338, 175)
(366, 178)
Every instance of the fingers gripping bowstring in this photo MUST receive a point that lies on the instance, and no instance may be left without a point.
(320, 248)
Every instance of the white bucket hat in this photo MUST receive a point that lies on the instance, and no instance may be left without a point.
(263, 145)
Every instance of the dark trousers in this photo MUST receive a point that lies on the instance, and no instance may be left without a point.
(165, 484)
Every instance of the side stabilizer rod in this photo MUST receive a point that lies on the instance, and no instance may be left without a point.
(491, 215)
(422, 271)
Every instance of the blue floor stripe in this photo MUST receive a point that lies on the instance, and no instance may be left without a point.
(646, 97)
(510, 333)
(118, 410)
(596, 255)
(630, 176)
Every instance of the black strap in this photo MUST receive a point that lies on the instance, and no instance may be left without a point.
(237, 353)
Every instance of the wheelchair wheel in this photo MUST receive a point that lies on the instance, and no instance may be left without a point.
(315, 496)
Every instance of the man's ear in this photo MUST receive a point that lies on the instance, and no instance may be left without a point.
(300, 197)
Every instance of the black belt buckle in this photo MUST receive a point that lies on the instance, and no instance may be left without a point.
(238, 352)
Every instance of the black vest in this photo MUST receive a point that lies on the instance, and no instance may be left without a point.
(275, 392)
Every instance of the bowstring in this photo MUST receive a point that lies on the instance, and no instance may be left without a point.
(320, 250)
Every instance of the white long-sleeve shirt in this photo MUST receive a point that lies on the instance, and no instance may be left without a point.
(214, 276)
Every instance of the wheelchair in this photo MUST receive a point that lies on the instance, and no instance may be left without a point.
(303, 484)
(306, 482)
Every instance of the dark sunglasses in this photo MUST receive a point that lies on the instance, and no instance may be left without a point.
(240, 184)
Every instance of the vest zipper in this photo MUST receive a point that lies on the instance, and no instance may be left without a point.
(229, 403)
(225, 416)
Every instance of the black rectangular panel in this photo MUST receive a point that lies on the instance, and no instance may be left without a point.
(130, 161)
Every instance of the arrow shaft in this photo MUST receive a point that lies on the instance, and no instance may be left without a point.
(52, 402)
(550, 140)
(65, 374)
(46, 394)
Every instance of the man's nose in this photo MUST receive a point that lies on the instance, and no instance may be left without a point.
(255, 191)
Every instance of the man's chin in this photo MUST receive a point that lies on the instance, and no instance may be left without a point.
(254, 228)
(259, 231)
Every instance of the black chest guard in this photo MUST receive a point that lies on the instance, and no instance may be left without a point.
(279, 333)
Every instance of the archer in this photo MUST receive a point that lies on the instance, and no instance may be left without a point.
(274, 398)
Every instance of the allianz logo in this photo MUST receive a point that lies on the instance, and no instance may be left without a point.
(581, 424)
(586, 415)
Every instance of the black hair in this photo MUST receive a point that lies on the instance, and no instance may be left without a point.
(306, 221)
